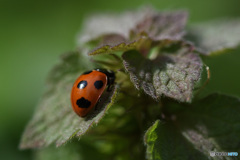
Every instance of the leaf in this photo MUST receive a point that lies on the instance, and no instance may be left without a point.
(116, 137)
(211, 124)
(163, 25)
(216, 36)
(73, 151)
(119, 46)
(153, 25)
(54, 121)
(165, 142)
(171, 74)
(97, 25)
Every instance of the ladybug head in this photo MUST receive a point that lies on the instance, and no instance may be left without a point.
(110, 74)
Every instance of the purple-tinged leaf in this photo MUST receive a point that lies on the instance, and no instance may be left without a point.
(172, 74)
(98, 25)
(150, 25)
(163, 25)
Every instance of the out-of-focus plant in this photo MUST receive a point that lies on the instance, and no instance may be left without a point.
(155, 110)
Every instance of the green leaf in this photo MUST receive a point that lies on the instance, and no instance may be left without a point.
(54, 121)
(164, 142)
(173, 73)
(71, 151)
(216, 36)
(153, 25)
(119, 46)
(211, 124)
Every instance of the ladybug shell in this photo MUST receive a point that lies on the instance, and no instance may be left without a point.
(87, 90)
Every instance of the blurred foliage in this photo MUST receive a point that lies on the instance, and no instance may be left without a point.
(35, 33)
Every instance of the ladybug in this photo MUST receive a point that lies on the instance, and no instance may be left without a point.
(88, 88)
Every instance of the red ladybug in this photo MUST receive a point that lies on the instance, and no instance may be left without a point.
(88, 88)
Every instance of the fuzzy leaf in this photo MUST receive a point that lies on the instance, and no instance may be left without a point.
(155, 26)
(211, 124)
(216, 36)
(165, 25)
(165, 142)
(119, 46)
(171, 74)
(54, 121)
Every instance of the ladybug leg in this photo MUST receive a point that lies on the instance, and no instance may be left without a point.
(109, 88)
(110, 83)
(97, 105)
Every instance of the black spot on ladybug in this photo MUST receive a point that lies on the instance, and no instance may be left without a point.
(83, 103)
(87, 72)
(98, 84)
(82, 84)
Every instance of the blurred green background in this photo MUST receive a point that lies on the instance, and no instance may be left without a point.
(34, 33)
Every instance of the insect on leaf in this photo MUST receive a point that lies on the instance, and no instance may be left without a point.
(54, 121)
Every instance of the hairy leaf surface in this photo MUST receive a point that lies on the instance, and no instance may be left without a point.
(172, 73)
